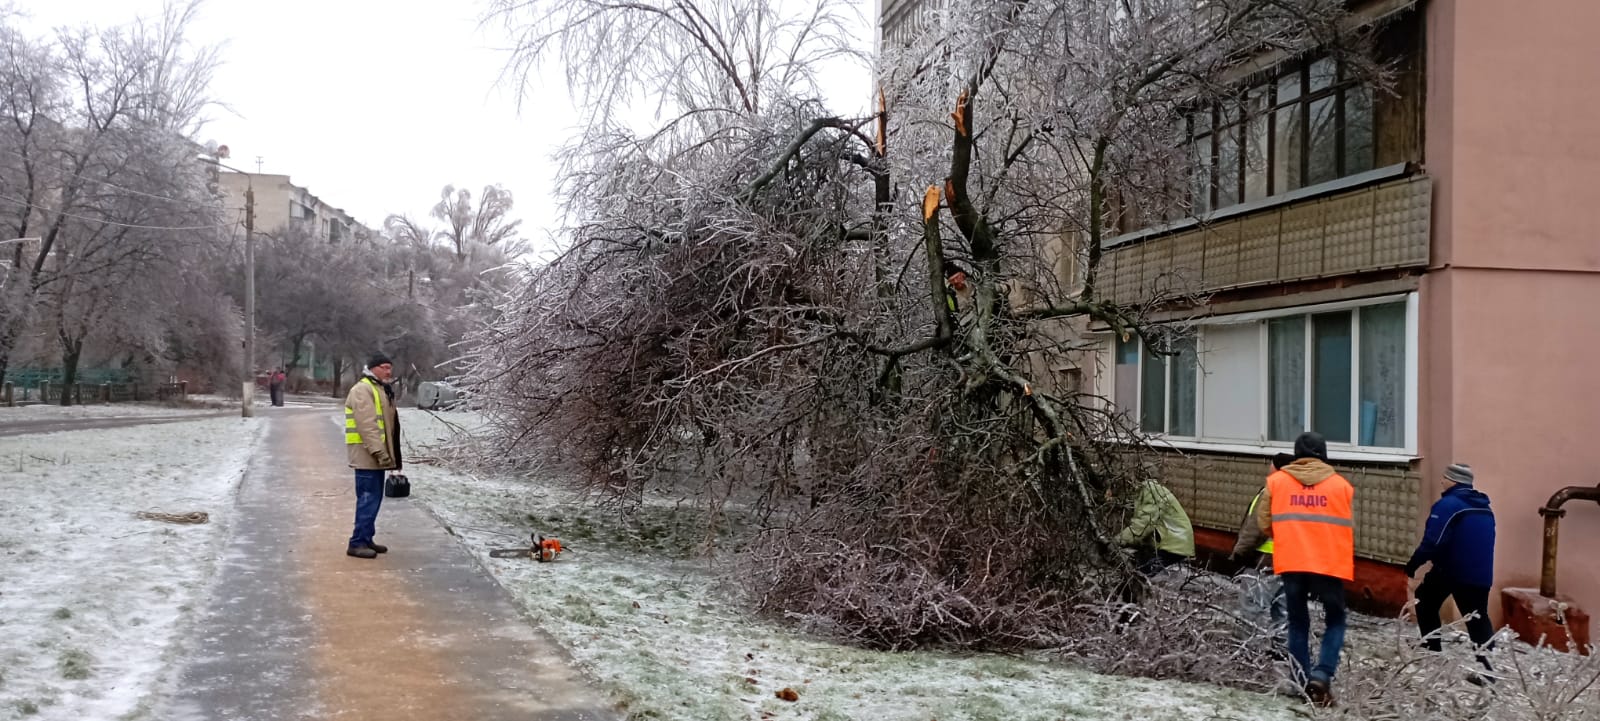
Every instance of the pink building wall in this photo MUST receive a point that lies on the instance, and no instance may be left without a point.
(1510, 333)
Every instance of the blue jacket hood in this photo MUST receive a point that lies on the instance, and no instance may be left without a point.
(1472, 497)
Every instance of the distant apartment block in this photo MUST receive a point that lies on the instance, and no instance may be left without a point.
(282, 205)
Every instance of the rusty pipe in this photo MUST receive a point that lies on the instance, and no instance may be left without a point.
(1552, 513)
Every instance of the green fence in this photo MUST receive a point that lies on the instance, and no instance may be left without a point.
(31, 377)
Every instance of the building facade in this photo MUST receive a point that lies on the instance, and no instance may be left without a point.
(1408, 270)
(281, 205)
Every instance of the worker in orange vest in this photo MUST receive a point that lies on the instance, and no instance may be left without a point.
(1308, 511)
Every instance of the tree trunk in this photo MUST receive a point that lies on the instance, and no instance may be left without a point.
(9, 330)
(338, 375)
(297, 343)
(71, 351)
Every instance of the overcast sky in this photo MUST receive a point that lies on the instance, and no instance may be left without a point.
(374, 105)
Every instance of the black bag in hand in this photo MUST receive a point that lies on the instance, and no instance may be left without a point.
(396, 486)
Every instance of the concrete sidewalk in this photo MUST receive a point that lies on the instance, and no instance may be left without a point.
(295, 629)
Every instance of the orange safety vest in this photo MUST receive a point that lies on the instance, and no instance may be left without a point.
(1313, 527)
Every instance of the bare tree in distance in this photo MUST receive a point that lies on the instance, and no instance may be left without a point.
(441, 290)
(314, 291)
(466, 225)
(97, 164)
(754, 311)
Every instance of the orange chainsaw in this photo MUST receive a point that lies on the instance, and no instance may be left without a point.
(544, 550)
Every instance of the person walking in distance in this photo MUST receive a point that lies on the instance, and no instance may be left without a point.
(1308, 512)
(1459, 541)
(372, 437)
(275, 384)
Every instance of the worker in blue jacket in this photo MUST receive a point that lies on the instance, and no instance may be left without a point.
(1459, 541)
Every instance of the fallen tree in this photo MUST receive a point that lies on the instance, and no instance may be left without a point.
(865, 329)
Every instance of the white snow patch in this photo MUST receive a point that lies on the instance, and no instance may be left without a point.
(38, 413)
(668, 643)
(90, 596)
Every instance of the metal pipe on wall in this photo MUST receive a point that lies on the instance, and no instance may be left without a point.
(1552, 513)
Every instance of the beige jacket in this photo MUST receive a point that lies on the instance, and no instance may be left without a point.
(360, 401)
(1308, 471)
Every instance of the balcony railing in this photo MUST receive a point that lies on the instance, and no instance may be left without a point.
(1376, 227)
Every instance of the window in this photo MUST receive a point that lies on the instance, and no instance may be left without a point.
(1162, 384)
(1182, 388)
(1330, 375)
(1071, 258)
(1346, 371)
(1382, 386)
(1286, 414)
(1126, 391)
(1310, 124)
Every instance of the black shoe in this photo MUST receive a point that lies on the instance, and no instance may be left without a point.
(361, 552)
(1320, 693)
(380, 548)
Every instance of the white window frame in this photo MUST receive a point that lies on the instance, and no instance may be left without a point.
(1166, 399)
(1338, 450)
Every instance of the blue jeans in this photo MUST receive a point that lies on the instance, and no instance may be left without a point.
(1298, 589)
(369, 498)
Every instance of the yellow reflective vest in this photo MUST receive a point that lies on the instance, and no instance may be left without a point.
(352, 437)
(1266, 546)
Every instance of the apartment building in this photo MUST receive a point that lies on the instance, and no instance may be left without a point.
(280, 204)
(1410, 271)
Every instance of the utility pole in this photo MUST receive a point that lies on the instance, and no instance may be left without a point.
(247, 398)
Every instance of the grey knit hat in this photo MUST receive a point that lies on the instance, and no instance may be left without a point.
(1459, 474)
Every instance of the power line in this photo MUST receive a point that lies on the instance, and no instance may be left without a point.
(137, 226)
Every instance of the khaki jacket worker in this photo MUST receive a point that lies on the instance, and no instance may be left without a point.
(379, 449)
(372, 440)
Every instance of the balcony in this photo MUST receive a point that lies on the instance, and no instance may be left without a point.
(1321, 233)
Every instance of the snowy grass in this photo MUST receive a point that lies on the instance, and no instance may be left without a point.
(90, 596)
(34, 413)
(668, 641)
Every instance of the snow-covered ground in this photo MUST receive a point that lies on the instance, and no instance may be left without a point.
(668, 644)
(91, 597)
(33, 413)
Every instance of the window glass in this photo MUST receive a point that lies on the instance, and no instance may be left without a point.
(1127, 374)
(1289, 87)
(1230, 367)
(1255, 159)
(1228, 167)
(1323, 159)
(1153, 396)
(1358, 150)
(1288, 150)
(1383, 375)
(1200, 182)
(1330, 379)
(1126, 380)
(1286, 382)
(1323, 74)
(1181, 405)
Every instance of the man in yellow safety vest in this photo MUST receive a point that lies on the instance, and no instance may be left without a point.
(1263, 593)
(372, 438)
